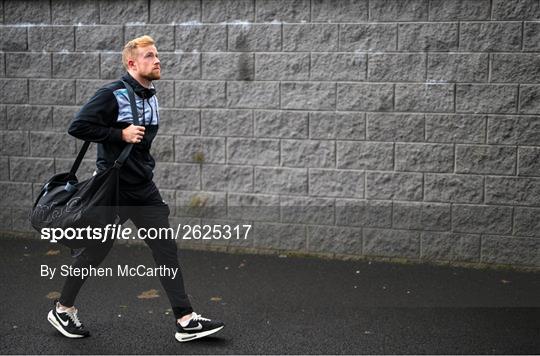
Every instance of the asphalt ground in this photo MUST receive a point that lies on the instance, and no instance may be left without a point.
(274, 305)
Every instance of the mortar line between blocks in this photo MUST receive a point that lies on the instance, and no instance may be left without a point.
(522, 35)
(149, 17)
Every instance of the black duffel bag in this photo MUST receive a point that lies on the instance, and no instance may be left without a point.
(64, 202)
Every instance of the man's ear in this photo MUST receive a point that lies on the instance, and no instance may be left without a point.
(131, 63)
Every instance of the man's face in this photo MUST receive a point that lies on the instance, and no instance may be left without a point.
(146, 63)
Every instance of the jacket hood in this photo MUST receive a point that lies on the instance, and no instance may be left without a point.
(141, 91)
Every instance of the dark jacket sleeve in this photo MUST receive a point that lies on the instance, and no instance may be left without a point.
(94, 122)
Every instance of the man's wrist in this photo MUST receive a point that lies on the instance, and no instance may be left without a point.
(117, 135)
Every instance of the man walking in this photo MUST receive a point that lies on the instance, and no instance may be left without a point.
(107, 120)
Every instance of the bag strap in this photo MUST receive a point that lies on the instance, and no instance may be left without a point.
(125, 152)
(79, 158)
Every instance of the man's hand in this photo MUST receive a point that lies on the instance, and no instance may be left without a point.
(133, 134)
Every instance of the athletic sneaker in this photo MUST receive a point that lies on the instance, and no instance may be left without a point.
(67, 323)
(197, 327)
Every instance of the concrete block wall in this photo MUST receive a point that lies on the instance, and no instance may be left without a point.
(377, 128)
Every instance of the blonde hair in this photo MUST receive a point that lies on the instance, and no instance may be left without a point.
(131, 47)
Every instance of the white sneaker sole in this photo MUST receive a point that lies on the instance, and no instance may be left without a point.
(183, 337)
(54, 322)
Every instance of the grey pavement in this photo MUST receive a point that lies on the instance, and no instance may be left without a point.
(275, 305)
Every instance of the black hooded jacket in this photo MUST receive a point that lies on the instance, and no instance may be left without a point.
(102, 119)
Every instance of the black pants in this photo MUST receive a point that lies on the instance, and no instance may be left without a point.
(146, 208)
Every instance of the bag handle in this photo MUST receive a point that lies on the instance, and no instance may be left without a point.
(125, 152)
